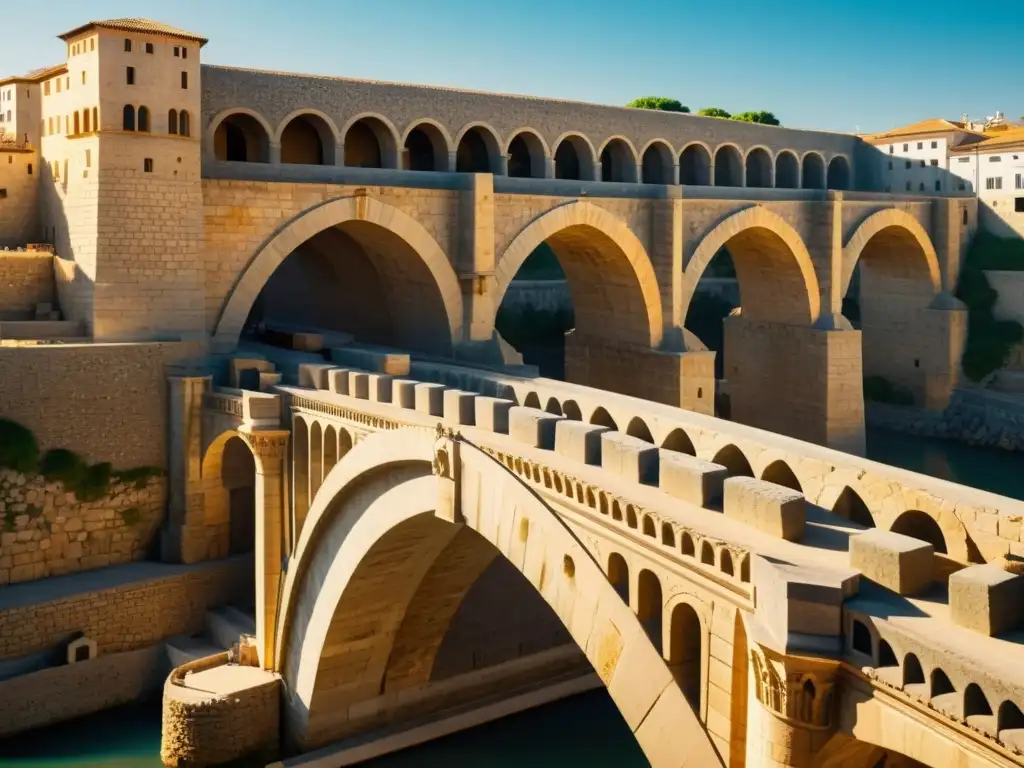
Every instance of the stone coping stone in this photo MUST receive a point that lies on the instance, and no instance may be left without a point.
(691, 479)
(378, 361)
(579, 441)
(629, 457)
(403, 393)
(532, 426)
(771, 508)
(359, 385)
(315, 375)
(492, 413)
(986, 599)
(379, 386)
(901, 563)
(430, 398)
(337, 380)
(459, 407)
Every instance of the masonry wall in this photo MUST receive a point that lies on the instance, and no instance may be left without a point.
(48, 531)
(19, 208)
(165, 600)
(26, 279)
(77, 396)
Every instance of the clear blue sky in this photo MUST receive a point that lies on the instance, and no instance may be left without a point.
(829, 64)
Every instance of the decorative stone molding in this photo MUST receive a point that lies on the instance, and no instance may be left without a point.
(796, 689)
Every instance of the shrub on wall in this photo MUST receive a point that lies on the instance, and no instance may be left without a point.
(989, 341)
(18, 448)
(661, 103)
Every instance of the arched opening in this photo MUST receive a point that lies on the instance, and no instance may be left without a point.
(649, 606)
(734, 461)
(891, 284)
(728, 167)
(759, 168)
(370, 143)
(128, 118)
(241, 138)
(975, 703)
(238, 477)
(361, 278)
(532, 400)
(526, 156)
(477, 152)
(778, 472)
(172, 122)
(657, 164)
(838, 173)
(184, 123)
(648, 527)
(684, 656)
(813, 171)
(144, 119)
(941, 684)
(695, 166)
(602, 418)
(886, 656)
(921, 526)
(300, 472)
(677, 440)
(787, 171)
(330, 449)
(707, 553)
(574, 159)
(631, 520)
(637, 428)
(668, 536)
(1010, 719)
(912, 672)
(851, 506)
(618, 575)
(726, 563)
(618, 162)
(426, 149)
(745, 569)
(316, 460)
(571, 411)
(861, 640)
(308, 140)
(687, 546)
(553, 406)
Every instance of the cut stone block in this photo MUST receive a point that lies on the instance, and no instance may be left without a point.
(305, 341)
(986, 598)
(458, 407)
(315, 375)
(261, 409)
(403, 393)
(532, 426)
(897, 562)
(430, 398)
(492, 413)
(269, 379)
(768, 507)
(359, 385)
(337, 380)
(629, 457)
(691, 479)
(579, 441)
(379, 385)
(376, 360)
(239, 364)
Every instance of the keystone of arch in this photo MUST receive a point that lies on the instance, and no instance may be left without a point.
(875, 223)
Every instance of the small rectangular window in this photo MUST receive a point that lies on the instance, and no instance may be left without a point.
(58, 84)
(147, 165)
(83, 77)
(907, 165)
(130, 76)
(92, 44)
(935, 145)
(938, 186)
(3, 194)
(184, 52)
(920, 145)
(891, 148)
(177, 51)
(920, 187)
(963, 159)
(922, 163)
(1018, 205)
(46, 88)
(935, 162)
(906, 147)
(1019, 181)
(184, 79)
(962, 186)
(149, 47)
(890, 165)
(127, 45)
(88, 158)
(908, 186)
(995, 159)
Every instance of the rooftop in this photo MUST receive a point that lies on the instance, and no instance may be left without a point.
(145, 26)
(996, 139)
(930, 126)
(36, 75)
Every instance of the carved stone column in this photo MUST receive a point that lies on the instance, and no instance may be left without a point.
(271, 450)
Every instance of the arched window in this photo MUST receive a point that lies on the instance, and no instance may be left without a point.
(144, 118)
(172, 122)
(128, 121)
(184, 128)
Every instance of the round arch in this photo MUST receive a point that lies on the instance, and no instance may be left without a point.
(759, 167)
(768, 238)
(467, 158)
(812, 171)
(307, 137)
(306, 111)
(527, 153)
(427, 146)
(380, 499)
(210, 137)
(574, 157)
(332, 213)
(695, 164)
(618, 159)
(384, 132)
(657, 161)
(581, 226)
(787, 170)
(728, 166)
(217, 507)
(839, 174)
(899, 224)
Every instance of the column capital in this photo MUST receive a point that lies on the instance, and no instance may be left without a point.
(269, 445)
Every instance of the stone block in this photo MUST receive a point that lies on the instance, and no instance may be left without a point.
(629, 457)
(579, 441)
(337, 380)
(379, 386)
(986, 599)
(492, 413)
(261, 409)
(403, 393)
(359, 385)
(532, 426)
(691, 479)
(239, 364)
(306, 341)
(376, 360)
(897, 562)
(430, 398)
(458, 407)
(315, 375)
(771, 508)
(267, 380)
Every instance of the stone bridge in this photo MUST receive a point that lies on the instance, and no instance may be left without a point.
(746, 598)
(421, 261)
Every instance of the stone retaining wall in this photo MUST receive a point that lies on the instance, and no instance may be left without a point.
(169, 600)
(47, 531)
(976, 418)
(26, 279)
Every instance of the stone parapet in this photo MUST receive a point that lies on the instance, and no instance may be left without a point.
(900, 563)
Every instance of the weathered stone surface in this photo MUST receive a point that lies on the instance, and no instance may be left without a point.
(534, 427)
(768, 507)
(900, 563)
(579, 441)
(459, 406)
(691, 479)
(987, 599)
(630, 458)
(492, 413)
(430, 398)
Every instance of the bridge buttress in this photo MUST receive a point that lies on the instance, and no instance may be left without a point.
(179, 542)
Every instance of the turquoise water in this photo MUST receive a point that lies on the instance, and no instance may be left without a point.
(585, 730)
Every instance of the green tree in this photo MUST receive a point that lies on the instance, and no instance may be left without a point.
(762, 117)
(713, 112)
(658, 102)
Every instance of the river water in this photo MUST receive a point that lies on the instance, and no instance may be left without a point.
(584, 730)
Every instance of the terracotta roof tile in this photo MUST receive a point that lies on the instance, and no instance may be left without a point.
(36, 75)
(930, 126)
(995, 140)
(137, 25)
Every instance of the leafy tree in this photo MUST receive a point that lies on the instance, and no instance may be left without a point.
(762, 117)
(713, 112)
(658, 102)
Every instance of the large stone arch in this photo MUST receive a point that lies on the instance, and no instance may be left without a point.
(332, 213)
(791, 297)
(883, 220)
(383, 498)
(625, 269)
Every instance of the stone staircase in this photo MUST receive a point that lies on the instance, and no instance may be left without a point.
(222, 628)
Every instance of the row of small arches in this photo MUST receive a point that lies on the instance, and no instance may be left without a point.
(371, 141)
(971, 705)
(179, 122)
